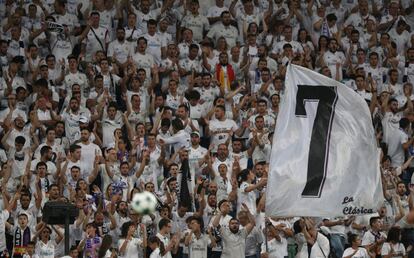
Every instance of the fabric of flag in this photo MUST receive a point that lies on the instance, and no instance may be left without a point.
(325, 159)
(185, 196)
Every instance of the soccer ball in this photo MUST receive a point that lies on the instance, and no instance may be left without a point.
(144, 203)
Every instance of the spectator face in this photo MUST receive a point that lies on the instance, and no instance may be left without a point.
(194, 8)
(226, 19)
(90, 230)
(19, 122)
(222, 170)
(401, 189)
(265, 76)
(74, 105)
(394, 77)
(54, 192)
(248, 7)
(193, 53)
(222, 151)
(76, 154)
(15, 33)
(363, 7)
(150, 188)
(333, 45)
(120, 35)
(360, 83)
(73, 64)
(22, 220)
(219, 113)
(234, 226)
(41, 170)
(275, 100)
(142, 46)
(45, 235)
(181, 113)
(95, 20)
(111, 112)
(172, 50)
(373, 60)
(212, 201)
(212, 188)
(410, 54)
(25, 201)
(361, 56)
(394, 106)
(237, 146)
(223, 58)
(132, 20)
(163, 25)
(152, 29)
(261, 107)
(326, 72)
(259, 168)
(145, 6)
(75, 173)
(259, 123)
(195, 139)
(187, 35)
(225, 208)
(172, 86)
(287, 32)
(124, 169)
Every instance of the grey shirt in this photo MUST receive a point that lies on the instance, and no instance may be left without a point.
(234, 245)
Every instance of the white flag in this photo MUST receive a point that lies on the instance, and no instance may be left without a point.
(325, 160)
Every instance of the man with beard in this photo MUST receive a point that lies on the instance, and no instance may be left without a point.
(334, 59)
(234, 238)
(46, 155)
(71, 116)
(224, 29)
(89, 149)
(393, 115)
(119, 50)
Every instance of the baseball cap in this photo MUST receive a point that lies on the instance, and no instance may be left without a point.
(196, 133)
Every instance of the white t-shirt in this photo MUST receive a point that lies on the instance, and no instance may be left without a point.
(395, 148)
(361, 253)
(121, 50)
(4, 216)
(154, 45)
(276, 249)
(132, 247)
(249, 198)
(198, 247)
(92, 42)
(399, 249)
(144, 61)
(45, 250)
(89, 152)
(219, 130)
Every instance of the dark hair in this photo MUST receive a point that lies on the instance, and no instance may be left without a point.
(44, 150)
(125, 228)
(152, 22)
(297, 228)
(331, 17)
(372, 220)
(394, 235)
(163, 223)
(41, 163)
(177, 124)
(243, 175)
(404, 122)
(74, 147)
(20, 140)
(193, 46)
(221, 203)
(352, 238)
(142, 38)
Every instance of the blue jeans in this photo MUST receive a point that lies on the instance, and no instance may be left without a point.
(338, 244)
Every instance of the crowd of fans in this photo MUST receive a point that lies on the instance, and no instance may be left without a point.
(103, 99)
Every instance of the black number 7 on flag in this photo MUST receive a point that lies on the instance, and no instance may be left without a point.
(326, 96)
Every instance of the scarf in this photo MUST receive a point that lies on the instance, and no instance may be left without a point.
(221, 76)
(21, 240)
